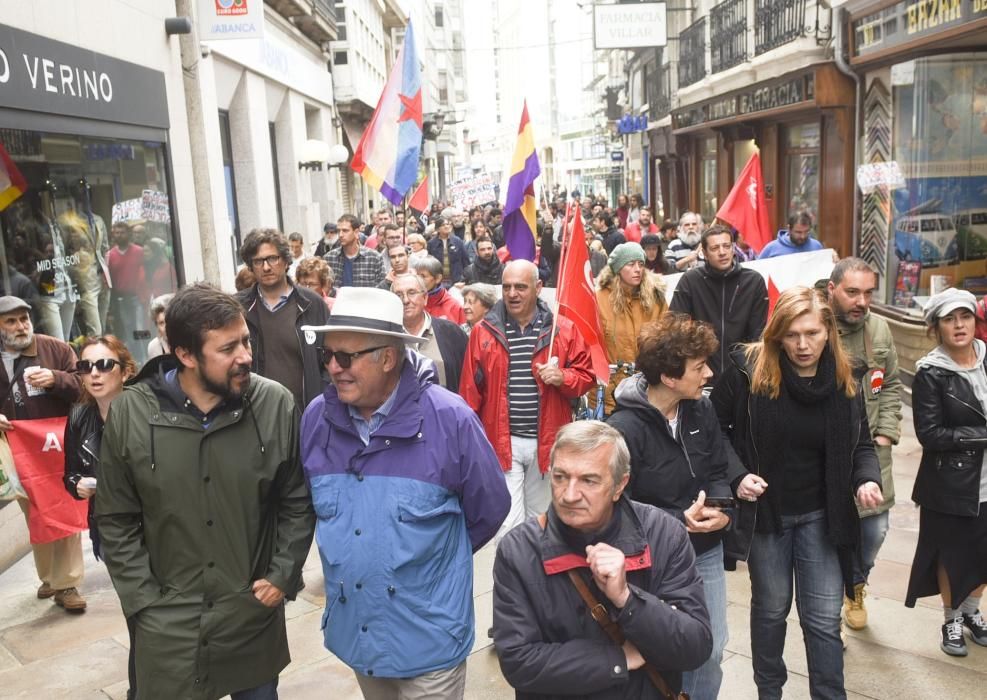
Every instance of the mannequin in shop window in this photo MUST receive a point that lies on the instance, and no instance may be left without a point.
(90, 272)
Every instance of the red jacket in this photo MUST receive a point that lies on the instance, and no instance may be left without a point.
(485, 373)
(633, 231)
(441, 304)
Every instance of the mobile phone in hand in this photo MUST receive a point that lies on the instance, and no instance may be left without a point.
(720, 502)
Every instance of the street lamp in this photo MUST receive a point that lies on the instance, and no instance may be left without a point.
(314, 153)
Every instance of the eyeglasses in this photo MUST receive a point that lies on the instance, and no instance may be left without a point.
(105, 364)
(410, 294)
(271, 260)
(344, 359)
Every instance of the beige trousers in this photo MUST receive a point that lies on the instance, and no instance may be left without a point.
(449, 684)
(59, 563)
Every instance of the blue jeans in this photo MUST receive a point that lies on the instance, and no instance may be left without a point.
(801, 552)
(873, 530)
(704, 682)
(268, 691)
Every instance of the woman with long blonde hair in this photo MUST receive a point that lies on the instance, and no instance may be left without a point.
(628, 297)
(792, 411)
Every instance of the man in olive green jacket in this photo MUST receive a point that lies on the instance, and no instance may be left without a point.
(203, 509)
(869, 342)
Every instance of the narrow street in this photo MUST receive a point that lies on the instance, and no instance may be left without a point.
(46, 653)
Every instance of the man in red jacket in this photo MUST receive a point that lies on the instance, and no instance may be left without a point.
(522, 395)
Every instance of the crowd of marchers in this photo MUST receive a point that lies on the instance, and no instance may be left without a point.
(401, 392)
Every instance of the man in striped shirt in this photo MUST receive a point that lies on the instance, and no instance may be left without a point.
(523, 395)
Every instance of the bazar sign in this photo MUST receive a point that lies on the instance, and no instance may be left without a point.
(760, 99)
(42, 75)
(912, 19)
(629, 26)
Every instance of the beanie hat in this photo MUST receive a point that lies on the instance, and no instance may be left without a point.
(624, 254)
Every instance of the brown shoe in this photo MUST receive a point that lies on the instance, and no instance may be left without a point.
(45, 591)
(70, 599)
(854, 611)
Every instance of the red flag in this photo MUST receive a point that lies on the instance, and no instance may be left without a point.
(577, 300)
(419, 203)
(773, 295)
(39, 458)
(745, 208)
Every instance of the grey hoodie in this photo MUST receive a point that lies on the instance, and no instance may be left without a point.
(977, 379)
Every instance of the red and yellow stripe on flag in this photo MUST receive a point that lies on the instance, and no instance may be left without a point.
(12, 183)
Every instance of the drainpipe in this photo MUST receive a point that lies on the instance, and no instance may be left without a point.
(190, 55)
(844, 67)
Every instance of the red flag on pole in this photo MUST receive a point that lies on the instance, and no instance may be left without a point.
(577, 300)
(39, 457)
(419, 203)
(745, 208)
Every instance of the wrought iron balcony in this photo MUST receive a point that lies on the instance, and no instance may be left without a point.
(777, 22)
(660, 92)
(692, 53)
(728, 35)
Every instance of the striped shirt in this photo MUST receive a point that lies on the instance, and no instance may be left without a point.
(522, 390)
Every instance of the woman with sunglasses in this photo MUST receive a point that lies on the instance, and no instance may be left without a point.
(105, 365)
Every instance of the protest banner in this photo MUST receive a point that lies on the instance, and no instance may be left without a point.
(39, 456)
(473, 191)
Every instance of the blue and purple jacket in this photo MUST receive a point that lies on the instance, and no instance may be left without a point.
(398, 522)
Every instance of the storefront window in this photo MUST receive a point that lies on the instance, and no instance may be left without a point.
(90, 242)
(802, 158)
(939, 218)
(708, 173)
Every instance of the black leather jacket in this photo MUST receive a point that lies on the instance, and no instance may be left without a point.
(83, 432)
(952, 428)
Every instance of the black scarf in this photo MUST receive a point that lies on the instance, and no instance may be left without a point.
(772, 444)
(488, 268)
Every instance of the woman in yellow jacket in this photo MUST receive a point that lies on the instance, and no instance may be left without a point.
(627, 296)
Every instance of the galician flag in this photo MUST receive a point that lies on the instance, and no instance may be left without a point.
(520, 213)
(388, 153)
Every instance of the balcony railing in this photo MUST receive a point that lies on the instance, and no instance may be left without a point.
(692, 53)
(777, 22)
(660, 92)
(728, 35)
(327, 10)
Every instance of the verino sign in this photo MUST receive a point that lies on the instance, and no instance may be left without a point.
(41, 75)
(629, 26)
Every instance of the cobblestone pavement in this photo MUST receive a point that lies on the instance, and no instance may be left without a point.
(46, 653)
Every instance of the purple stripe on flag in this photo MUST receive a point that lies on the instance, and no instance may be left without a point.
(519, 183)
(519, 239)
(392, 195)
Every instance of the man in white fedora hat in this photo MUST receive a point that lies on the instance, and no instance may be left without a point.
(406, 487)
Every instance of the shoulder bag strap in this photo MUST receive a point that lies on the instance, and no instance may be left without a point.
(599, 613)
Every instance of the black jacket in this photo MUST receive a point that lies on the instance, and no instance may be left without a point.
(83, 432)
(549, 647)
(669, 472)
(310, 311)
(451, 341)
(488, 273)
(735, 303)
(951, 426)
(611, 239)
(737, 414)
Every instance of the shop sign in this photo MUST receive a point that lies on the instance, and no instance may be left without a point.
(231, 19)
(908, 20)
(758, 99)
(629, 25)
(616, 155)
(42, 75)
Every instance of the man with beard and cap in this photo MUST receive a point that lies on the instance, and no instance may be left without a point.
(38, 380)
(487, 268)
(203, 509)
(867, 338)
(731, 298)
(683, 250)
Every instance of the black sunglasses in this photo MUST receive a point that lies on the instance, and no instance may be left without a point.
(105, 364)
(344, 359)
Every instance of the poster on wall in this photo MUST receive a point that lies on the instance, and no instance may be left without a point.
(906, 284)
(940, 141)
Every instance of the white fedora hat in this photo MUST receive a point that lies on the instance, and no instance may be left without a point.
(364, 310)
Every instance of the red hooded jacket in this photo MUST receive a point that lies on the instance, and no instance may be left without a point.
(485, 374)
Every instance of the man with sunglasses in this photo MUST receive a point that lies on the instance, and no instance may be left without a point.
(276, 309)
(406, 488)
(38, 380)
(204, 517)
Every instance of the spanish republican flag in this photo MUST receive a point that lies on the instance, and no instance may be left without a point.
(388, 153)
(520, 213)
(12, 183)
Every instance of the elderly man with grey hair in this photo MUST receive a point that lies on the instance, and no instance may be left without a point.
(443, 342)
(522, 395)
(654, 624)
(683, 251)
